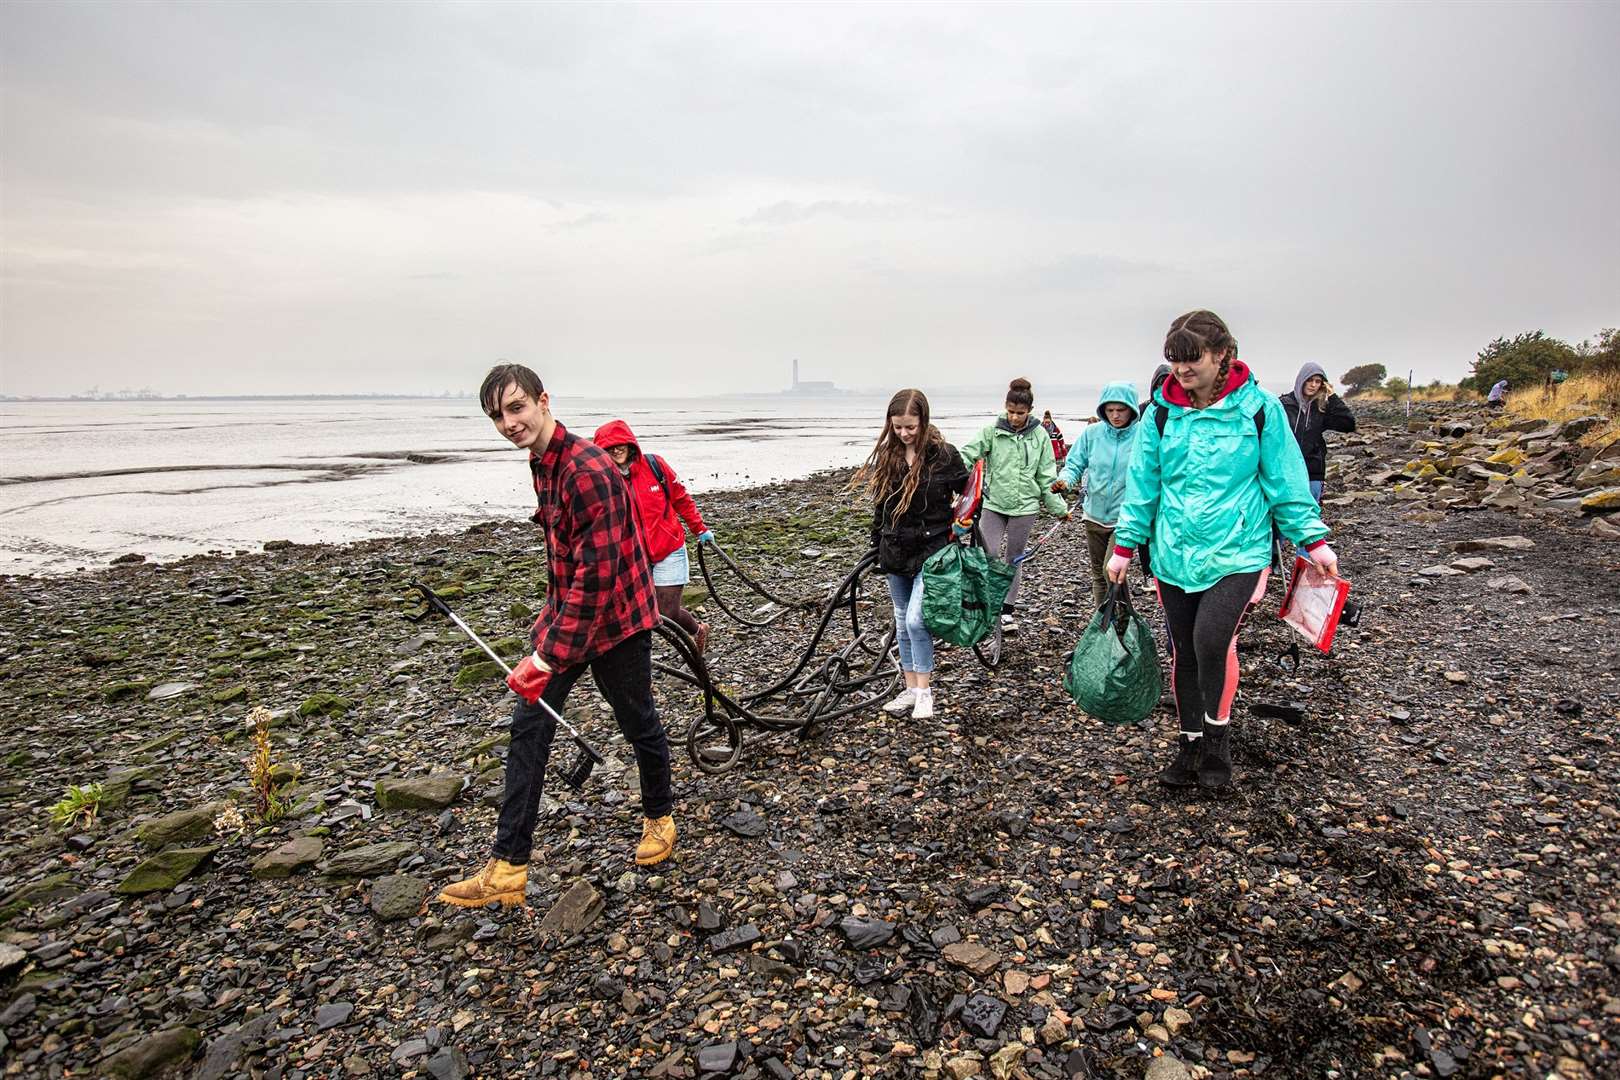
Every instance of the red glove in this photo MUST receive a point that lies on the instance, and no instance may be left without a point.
(528, 680)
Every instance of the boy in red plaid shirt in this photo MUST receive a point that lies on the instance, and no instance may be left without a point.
(599, 612)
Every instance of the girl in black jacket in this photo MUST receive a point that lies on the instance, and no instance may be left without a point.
(1313, 408)
(913, 477)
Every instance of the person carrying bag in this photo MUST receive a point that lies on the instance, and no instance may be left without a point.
(1113, 673)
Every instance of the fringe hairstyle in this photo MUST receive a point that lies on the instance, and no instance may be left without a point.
(499, 378)
(885, 471)
(1195, 332)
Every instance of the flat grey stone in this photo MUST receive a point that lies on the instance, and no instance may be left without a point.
(368, 861)
(285, 861)
(574, 911)
(420, 792)
(397, 896)
(180, 826)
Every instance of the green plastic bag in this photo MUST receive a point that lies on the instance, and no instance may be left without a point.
(1113, 673)
(963, 590)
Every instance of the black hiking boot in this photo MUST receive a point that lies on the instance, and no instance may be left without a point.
(1215, 760)
(1182, 772)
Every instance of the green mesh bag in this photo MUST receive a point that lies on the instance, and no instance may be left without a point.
(963, 590)
(1113, 673)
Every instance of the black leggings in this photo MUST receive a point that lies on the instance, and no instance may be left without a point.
(1203, 645)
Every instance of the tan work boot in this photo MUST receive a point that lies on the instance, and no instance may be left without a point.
(657, 841)
(499, 882)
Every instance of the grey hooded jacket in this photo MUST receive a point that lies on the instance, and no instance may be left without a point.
(1309, 420)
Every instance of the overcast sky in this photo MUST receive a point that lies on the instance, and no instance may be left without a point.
(280, 198)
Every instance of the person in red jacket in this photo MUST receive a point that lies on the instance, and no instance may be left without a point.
(599, 612)
(661, 503)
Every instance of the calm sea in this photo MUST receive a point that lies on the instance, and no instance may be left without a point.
(83, 482)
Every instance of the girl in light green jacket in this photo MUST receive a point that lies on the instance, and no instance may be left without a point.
(1214, 465)
(1018, 473)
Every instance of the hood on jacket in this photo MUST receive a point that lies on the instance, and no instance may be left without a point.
(1160, 373)
(616, 433)
(1003, 424)
(1173, 393)
(1119, 393)
(1305, 373)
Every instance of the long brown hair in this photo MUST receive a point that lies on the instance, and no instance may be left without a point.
(885, 471)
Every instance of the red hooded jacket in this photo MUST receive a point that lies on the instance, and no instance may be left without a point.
(661, 532)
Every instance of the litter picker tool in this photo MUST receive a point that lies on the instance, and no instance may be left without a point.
(589, 757)
(1030, 552)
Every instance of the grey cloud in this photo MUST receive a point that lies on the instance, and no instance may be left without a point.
(1081, 271)
(794, 213)
(585, 221)
(910, 188)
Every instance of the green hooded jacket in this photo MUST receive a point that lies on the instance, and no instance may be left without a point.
(1019, 467)
(1206, 492)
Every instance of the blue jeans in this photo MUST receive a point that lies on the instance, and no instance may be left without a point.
(1316, 490)
(916, 645)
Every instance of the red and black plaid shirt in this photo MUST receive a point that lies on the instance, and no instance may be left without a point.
(601, 589)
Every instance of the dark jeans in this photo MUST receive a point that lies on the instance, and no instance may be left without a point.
(1203, 638)
(624, 676)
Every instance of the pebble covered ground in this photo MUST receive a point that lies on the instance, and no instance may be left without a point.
(1415, 877)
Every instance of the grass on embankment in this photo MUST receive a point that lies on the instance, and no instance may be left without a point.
(1581, 395)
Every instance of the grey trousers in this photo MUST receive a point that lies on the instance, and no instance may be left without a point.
(1006, 538)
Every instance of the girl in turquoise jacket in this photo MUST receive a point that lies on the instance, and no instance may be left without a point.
(1018, 473)
(1213, 467)
(1102, 455)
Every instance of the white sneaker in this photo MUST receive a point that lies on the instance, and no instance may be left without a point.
(1009, 625)
(924, 707)
(902, 702)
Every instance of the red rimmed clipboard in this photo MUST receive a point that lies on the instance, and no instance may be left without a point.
(1313, 604)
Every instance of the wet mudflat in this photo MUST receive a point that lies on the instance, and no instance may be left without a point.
(1416, 875)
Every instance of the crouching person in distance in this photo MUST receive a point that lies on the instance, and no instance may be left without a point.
(599, 613)
(1213, 466)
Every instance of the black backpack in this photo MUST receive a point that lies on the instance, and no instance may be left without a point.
(657, 468)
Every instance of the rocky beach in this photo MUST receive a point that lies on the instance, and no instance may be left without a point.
(1417, 874)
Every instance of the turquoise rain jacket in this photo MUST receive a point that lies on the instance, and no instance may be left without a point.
(1206, 492)
(1019, 467)
(1102, 454)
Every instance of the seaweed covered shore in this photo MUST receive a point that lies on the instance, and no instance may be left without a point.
(1416, 876)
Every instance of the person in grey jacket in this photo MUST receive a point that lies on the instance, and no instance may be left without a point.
(1313, 408)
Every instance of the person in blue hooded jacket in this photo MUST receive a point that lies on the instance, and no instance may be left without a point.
(1102, 457)
(1214, 465)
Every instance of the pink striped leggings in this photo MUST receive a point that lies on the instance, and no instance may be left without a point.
(1203, 640)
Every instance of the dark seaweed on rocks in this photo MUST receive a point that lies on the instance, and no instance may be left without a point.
(1416, 875)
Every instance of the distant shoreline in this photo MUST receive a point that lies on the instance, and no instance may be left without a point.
(1048, 391)
(7, 399)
